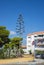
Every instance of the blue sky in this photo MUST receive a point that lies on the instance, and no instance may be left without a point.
(32, 11)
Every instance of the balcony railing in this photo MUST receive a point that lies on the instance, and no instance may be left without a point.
(37, 48)
(39, 37)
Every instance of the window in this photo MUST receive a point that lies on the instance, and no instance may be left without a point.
(35, 36)
(40, 46)
(40, 35)
(40, 40)
(29, 37)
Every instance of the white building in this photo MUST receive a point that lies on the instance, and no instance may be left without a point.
(35, 41)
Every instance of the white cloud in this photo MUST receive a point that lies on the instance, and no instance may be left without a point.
(12, 32)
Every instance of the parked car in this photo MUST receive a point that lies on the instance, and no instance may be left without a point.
(37, 56)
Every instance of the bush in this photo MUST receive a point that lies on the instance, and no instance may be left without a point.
(21, 50)
(30, 52)
(39, 52)
(1, 54)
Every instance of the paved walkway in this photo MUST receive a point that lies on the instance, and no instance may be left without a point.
(24, 59)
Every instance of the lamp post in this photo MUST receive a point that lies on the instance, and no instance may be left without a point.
(33, 43)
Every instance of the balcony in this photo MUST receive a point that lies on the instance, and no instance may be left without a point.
(38, 48)
(40, 44)
(39, 38)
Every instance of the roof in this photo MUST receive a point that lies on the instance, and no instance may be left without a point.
(38, 33)
(23, 47)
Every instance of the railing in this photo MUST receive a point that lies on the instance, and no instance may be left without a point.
(38, 48)
(39, 37)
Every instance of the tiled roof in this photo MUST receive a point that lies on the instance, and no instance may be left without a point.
(38, 33)
(23, 47)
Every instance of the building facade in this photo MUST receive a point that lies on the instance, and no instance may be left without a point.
(35, 41)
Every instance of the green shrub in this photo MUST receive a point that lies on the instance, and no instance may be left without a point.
(39, 52)
(1, 54)
(21, 50)
(30, 52)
